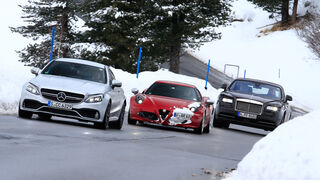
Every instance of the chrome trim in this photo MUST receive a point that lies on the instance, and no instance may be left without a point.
(251, 102)
(61, 115)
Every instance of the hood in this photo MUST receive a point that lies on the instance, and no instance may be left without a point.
(162, 102)
(251, 97)
(68, 84)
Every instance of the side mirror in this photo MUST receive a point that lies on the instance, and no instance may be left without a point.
(35, 71)
(224, 87)
(134, 91)
(209, 102)
(116, 83)
(288, 98)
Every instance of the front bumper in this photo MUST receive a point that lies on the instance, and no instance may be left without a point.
(93, 112)
(266, 120)
(150, 115)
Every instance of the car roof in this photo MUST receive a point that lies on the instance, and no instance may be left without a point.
(259, 81)
(175, 83)
(81, 61)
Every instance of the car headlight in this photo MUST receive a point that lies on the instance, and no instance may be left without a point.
(94, 98)
(139, 99)
(227, 100)
(272, 108)
(33, 89)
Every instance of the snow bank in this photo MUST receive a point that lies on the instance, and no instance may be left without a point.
(12, 73)
(262, 56)
(289, 152)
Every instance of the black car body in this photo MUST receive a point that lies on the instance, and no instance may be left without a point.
(253, 103)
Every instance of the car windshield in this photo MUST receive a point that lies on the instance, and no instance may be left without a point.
(258, 89)
(174, 91)
(75, 70)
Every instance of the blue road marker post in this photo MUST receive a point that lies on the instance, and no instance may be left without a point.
(245, 72)
(52, 43)
(208, 69)
(279, 73)
(139, 62)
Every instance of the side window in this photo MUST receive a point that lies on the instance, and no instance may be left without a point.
(198, 94)
(111, 76)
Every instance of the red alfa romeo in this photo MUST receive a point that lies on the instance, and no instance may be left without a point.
(173, 104)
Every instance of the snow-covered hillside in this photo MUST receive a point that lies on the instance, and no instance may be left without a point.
(262, 56)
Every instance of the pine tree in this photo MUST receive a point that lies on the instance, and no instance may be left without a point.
(163, 28)
(41, 16)
(275, 7)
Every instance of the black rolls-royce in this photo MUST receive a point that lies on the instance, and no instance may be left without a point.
(253, 103)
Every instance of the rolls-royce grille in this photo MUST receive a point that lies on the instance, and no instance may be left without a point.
(248, 107)
(70, 97)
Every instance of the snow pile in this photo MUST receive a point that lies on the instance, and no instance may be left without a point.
(263, 56)
(289, 152)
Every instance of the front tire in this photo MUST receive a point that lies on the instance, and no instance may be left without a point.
(24, 114)
(118, 124)
(200, 129)
(105, 122)
(131, 121)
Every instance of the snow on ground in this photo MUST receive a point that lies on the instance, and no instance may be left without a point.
(261, 56)
(289, 152)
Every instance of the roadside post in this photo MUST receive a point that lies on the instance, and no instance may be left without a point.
(139, 62)
(208, 69)
(245, 72)
(52, 43)
(279, 73)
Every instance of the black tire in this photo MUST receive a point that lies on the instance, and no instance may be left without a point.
(207, 128)
(105, 123)
(118, 124)
(216, 123)
(45, 116)
(131, 121)
(24, 114)
(200, 129)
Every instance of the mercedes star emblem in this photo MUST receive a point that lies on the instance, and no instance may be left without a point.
(61, 96)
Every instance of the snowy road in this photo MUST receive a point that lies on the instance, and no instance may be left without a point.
(37, 149)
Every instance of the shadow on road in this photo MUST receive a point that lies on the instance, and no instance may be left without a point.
(245, 131)
(63, 121)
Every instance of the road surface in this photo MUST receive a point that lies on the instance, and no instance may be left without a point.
(67, 149)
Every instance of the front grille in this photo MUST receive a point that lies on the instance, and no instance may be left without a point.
(163, 113)
(248, 107)
(70, 97)
(148, 115)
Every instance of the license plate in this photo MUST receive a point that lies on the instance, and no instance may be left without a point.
(247, 115)
(181, 116)
(59, 105)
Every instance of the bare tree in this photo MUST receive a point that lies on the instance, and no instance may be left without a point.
(309, 31)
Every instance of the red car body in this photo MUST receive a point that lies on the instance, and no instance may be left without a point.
(171, 111)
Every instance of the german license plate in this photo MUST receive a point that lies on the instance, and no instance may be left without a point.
(181, 115)
(247, 115)
(59, 105)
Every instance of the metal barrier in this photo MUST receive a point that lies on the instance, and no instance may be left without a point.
(232, 65)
